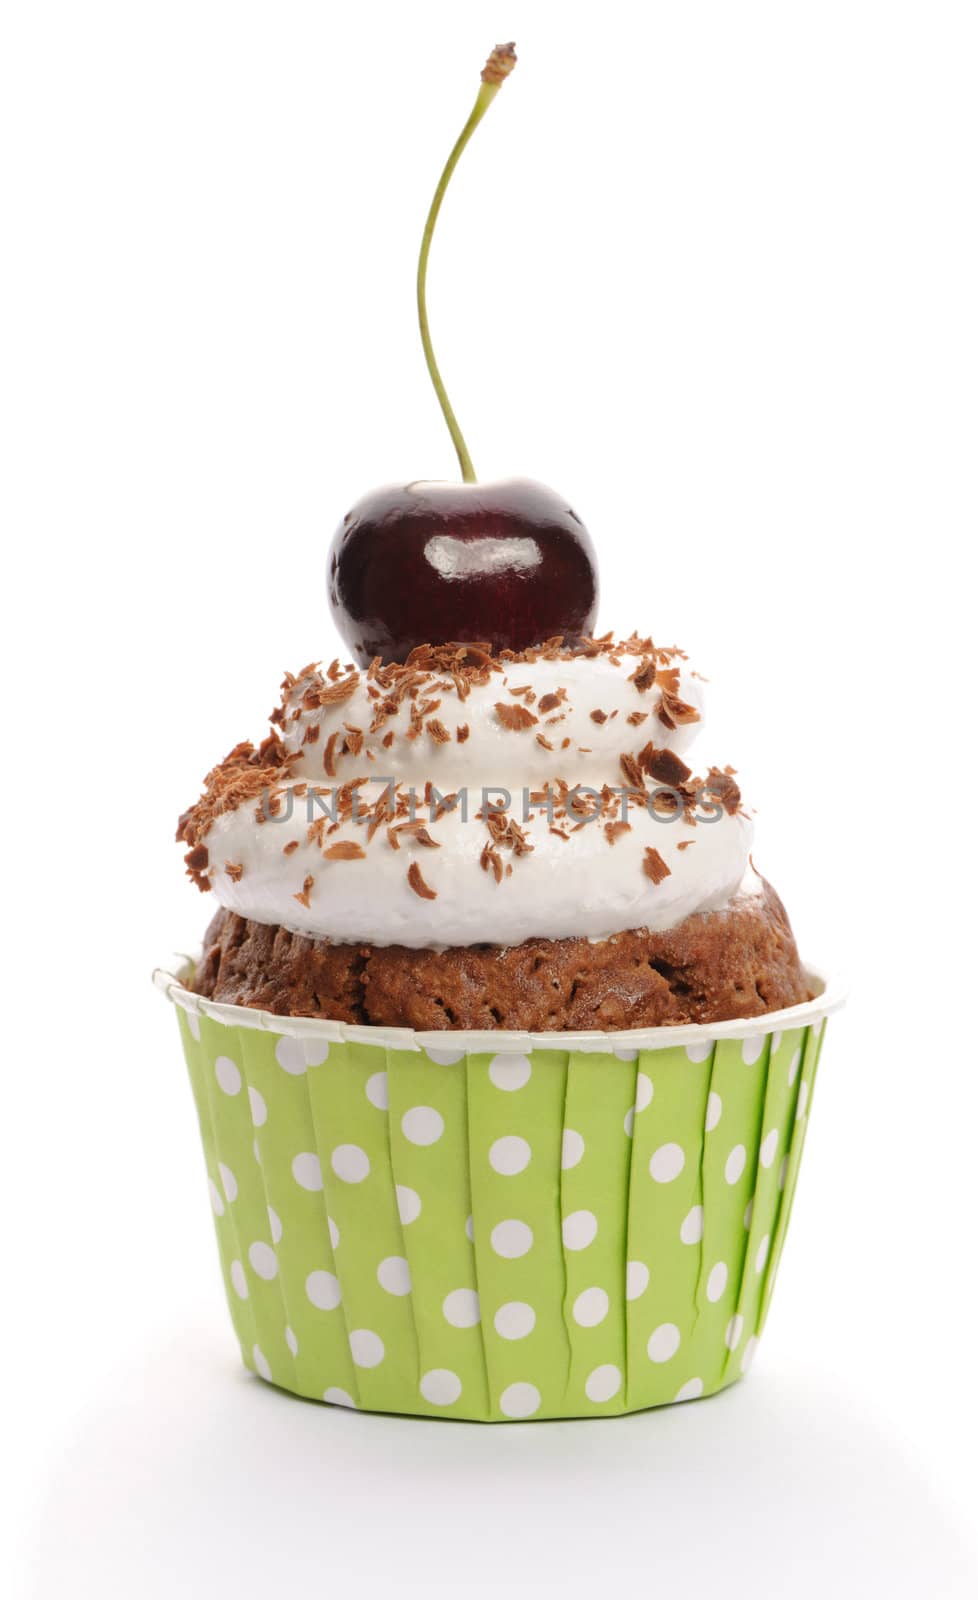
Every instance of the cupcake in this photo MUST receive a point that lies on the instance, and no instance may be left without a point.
(502, 1050)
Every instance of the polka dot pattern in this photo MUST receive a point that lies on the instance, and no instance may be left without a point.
(500, 1235)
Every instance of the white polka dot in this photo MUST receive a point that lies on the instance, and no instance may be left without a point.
(644, 1090)
(259, 1110)
(717, 1281)
(334, 1232)
(408, 1203)
(263, 1259)
(366, 1348)
(461, 1308)
(290, 1055)
(629, 1122)
(664, 1342)
(510, 1072)
(591, 1307)
(691, 1228)
(793, 1068)
(760, 1260)
(769, 1147)
(700, 1051)
(776, 1042)
(306, 1171)
(571, 1149)
(422, 1125)
(735, 1328)
(239, 1280)
(752, 1049)
(511, 1239)
(217, 1199)
(228, 1075)
(510, 1155)
(444, 1058)
(626, 1055)
(736, 1162)
(350, 1163)
(470, 1229)
(376, 1090)
(667, 1163)
(261, 1363)
(292, 1341)
(339, 1397)
(519, 1400)
(714, 1110)
(315, 1051)
(636, 1280)
(514, 1320)
(748, 1355)
(394, 1275)
(193, 1023)
(748, 1213)
(579, 1229)
(275, 1224)
(782, 1171)
(323, 1289)
(602, 1384)
(802, 1101)
(441, 1387)
(228, 1180)
(691, 1390)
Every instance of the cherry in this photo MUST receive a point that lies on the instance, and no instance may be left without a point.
(424, 563)
(507, 563)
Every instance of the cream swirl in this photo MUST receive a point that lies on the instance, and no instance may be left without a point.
(461, 800)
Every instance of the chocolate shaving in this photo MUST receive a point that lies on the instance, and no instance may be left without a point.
(722, 787)
(673, 711)
(515, 717)
(416, 830)
(491, 858)
(303, 895)
(664, 766)
(654, 867)
(345, 850)
(418, 884)
(333, 694)
(632, 771)
(644, 676)
(196, 863)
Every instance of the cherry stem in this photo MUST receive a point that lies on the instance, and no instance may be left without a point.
(494, 73)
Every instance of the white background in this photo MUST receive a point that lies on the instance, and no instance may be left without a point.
(710, 270)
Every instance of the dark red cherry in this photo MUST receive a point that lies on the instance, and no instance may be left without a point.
(427, 563)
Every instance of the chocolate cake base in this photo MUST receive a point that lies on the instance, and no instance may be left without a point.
(740, 962)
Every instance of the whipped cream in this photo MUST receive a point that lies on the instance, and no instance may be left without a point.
(345, 834)
(580, 738)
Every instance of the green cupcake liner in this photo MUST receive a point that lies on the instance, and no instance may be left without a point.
(499, 1226)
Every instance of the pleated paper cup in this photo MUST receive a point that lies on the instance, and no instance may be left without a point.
(499, 1226)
